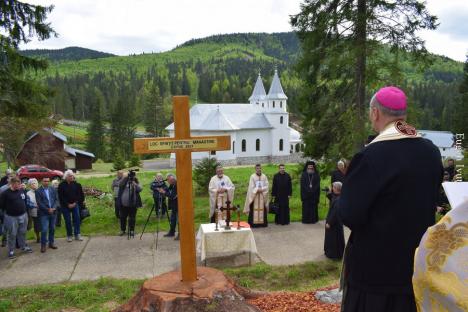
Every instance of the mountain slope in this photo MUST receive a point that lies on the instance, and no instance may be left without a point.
(66, 54)
(223, 69)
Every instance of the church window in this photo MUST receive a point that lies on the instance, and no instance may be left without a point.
(281, 104)
(244, 145)
(273, 104)
(281, 119)
(302, 147)
(263, 104)
(234, 146)
(213, 153)
(281, 145)
(298, 146)
(257, 145)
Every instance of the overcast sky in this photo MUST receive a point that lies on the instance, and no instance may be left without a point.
(136, 26)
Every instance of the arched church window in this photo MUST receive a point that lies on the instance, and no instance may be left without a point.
(281, 119)
(234, 146)
(281, 145)
(273, 104)
(257, 145)
(244, 145)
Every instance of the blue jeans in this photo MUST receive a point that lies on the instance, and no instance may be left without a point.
(48, 225)
(68, 215)
(174, 220)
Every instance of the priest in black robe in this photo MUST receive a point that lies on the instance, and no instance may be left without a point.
(282, 191)
(388, 200)
(310, 193)
(334, 234)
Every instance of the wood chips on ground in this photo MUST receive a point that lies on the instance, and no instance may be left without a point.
(293, 302)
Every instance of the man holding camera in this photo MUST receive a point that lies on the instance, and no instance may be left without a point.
(159, 188)
(129, 200)
(171, 194)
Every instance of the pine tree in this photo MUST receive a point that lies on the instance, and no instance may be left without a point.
(154, 112)
(96, 130)
(340, 40)
(23, 101)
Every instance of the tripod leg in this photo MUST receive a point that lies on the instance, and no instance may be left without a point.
(146, 223)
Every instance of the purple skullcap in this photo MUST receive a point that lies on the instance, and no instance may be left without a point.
(392, 98)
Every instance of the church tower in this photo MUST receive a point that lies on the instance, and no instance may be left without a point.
(259, 96)
(276, 97)
(278, 117)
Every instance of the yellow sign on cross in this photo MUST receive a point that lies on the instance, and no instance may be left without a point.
(183, 144)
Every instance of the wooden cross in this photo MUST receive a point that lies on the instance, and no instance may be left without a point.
(228, 210)
(183, 144)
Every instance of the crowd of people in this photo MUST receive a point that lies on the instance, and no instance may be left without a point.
(387, 196)
(25, 206)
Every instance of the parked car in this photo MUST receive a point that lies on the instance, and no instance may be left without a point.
(35, 171)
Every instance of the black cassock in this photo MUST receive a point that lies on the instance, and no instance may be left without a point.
(388, 201)
(310, 196)
(334, 236)
(281, 190)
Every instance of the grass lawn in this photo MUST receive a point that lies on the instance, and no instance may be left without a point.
(103, 221)
(106, 294)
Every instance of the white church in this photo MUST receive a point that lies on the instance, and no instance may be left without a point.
(259, 130)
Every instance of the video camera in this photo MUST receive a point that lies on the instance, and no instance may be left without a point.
(132, 174)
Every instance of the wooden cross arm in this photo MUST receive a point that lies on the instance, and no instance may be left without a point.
(172, 145)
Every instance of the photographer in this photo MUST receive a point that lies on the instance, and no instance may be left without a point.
(171, 194)
(159, 188)
(129, 200)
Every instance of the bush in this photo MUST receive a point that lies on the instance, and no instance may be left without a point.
(203, 172)
(119, 162)
(135, 161)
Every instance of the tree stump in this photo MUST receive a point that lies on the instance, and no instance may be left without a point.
(213, 291)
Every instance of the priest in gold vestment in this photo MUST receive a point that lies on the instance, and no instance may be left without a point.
(257, 200)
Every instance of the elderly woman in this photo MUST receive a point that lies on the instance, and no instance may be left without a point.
(338, 175)
(71, 198)
(32, 206)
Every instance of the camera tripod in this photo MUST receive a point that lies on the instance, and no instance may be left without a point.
(159, 212)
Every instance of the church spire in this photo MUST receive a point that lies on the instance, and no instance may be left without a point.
(258, 93)
(276, 90)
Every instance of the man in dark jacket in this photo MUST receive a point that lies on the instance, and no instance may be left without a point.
(129, 200)
(334, 243)
(388, 201)
(171, 194)
(47, 203)
(13, 203)
(71, 199)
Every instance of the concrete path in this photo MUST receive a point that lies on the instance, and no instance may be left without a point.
(114, 256)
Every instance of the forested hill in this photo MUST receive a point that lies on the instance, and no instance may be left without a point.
(66, 54)
(218, 69)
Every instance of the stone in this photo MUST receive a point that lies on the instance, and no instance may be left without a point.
(213, 291)
(329, 296)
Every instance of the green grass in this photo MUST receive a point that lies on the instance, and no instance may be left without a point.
(103, 221)
(102, 295)
(106, 294)
(76, 134)
(302, 277)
